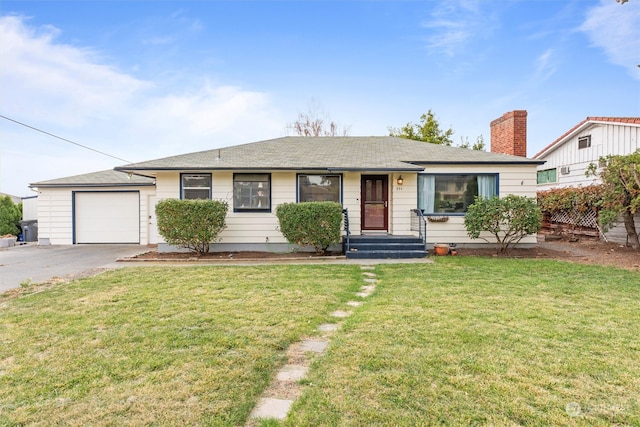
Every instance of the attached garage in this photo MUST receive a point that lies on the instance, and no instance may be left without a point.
(106, 217)
(98, 207)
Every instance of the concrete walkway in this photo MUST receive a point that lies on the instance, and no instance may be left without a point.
(285, 388)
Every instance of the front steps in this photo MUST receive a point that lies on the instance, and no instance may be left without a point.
(384, 246)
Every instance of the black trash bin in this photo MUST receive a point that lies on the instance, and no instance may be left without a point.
(29, 230)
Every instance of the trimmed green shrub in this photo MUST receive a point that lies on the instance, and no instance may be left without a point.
(509, 219)
(10, 216)
(191, 224)
(311, 223)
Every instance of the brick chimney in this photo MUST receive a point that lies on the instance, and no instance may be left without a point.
(509, 134)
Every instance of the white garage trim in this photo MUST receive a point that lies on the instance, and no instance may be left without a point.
(106, 217)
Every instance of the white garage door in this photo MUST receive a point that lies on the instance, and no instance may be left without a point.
(107, 217)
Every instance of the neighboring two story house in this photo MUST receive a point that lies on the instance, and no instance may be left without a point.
(568, 157)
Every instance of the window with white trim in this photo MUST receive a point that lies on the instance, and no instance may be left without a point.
(453, 193)
(195, 186)
(319, 188)
(584, 142)
(547, 176)
(251, 192)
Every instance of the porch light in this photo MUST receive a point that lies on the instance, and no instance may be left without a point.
(400, 181)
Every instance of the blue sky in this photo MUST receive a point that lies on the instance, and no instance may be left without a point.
(141, 80)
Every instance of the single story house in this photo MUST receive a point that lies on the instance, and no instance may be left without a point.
(379, 180)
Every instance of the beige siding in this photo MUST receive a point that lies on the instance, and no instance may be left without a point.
(262, 227)
(168, 185)
(55, 213)
(55, 217)
(254, 227)
(242, 227)
(403, 198)
(145, 194)
(351, 199)
(513, 179)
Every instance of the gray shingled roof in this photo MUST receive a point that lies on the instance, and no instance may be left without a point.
(383, 153)
(106, 178)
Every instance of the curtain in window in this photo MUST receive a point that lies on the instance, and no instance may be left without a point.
(427, 193)
(486, 186)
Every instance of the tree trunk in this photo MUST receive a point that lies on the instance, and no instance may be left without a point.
(630, 226)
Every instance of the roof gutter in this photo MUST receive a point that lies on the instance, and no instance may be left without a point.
(441, 162)
(101, 185)
(328, 169)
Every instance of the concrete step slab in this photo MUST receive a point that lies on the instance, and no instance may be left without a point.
(316, 346)
(328, 327)
(341, 314)
(292, 373)
(269, 407)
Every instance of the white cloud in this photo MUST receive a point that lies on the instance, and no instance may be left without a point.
(74, 93)
(545, 66)
(57, 83)
(454, 24)
(614, 28)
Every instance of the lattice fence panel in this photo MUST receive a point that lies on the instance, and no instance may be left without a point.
(582, 219)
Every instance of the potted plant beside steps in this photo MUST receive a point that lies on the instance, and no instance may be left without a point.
(441, 249)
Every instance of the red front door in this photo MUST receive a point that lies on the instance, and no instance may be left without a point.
(374, 202)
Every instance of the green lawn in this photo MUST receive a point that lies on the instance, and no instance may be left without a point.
(461, 341)
(153, 346)
(484, 342)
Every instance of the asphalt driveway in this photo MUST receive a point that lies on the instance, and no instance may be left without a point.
(38, 264)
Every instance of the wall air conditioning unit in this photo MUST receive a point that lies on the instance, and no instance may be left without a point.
(564, 170)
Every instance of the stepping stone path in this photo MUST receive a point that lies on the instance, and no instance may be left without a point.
(341, 314)
(277, 399)
(315, 346)
(328, 327)
(292, 373)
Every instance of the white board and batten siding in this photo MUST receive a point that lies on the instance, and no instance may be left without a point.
(572, 162)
